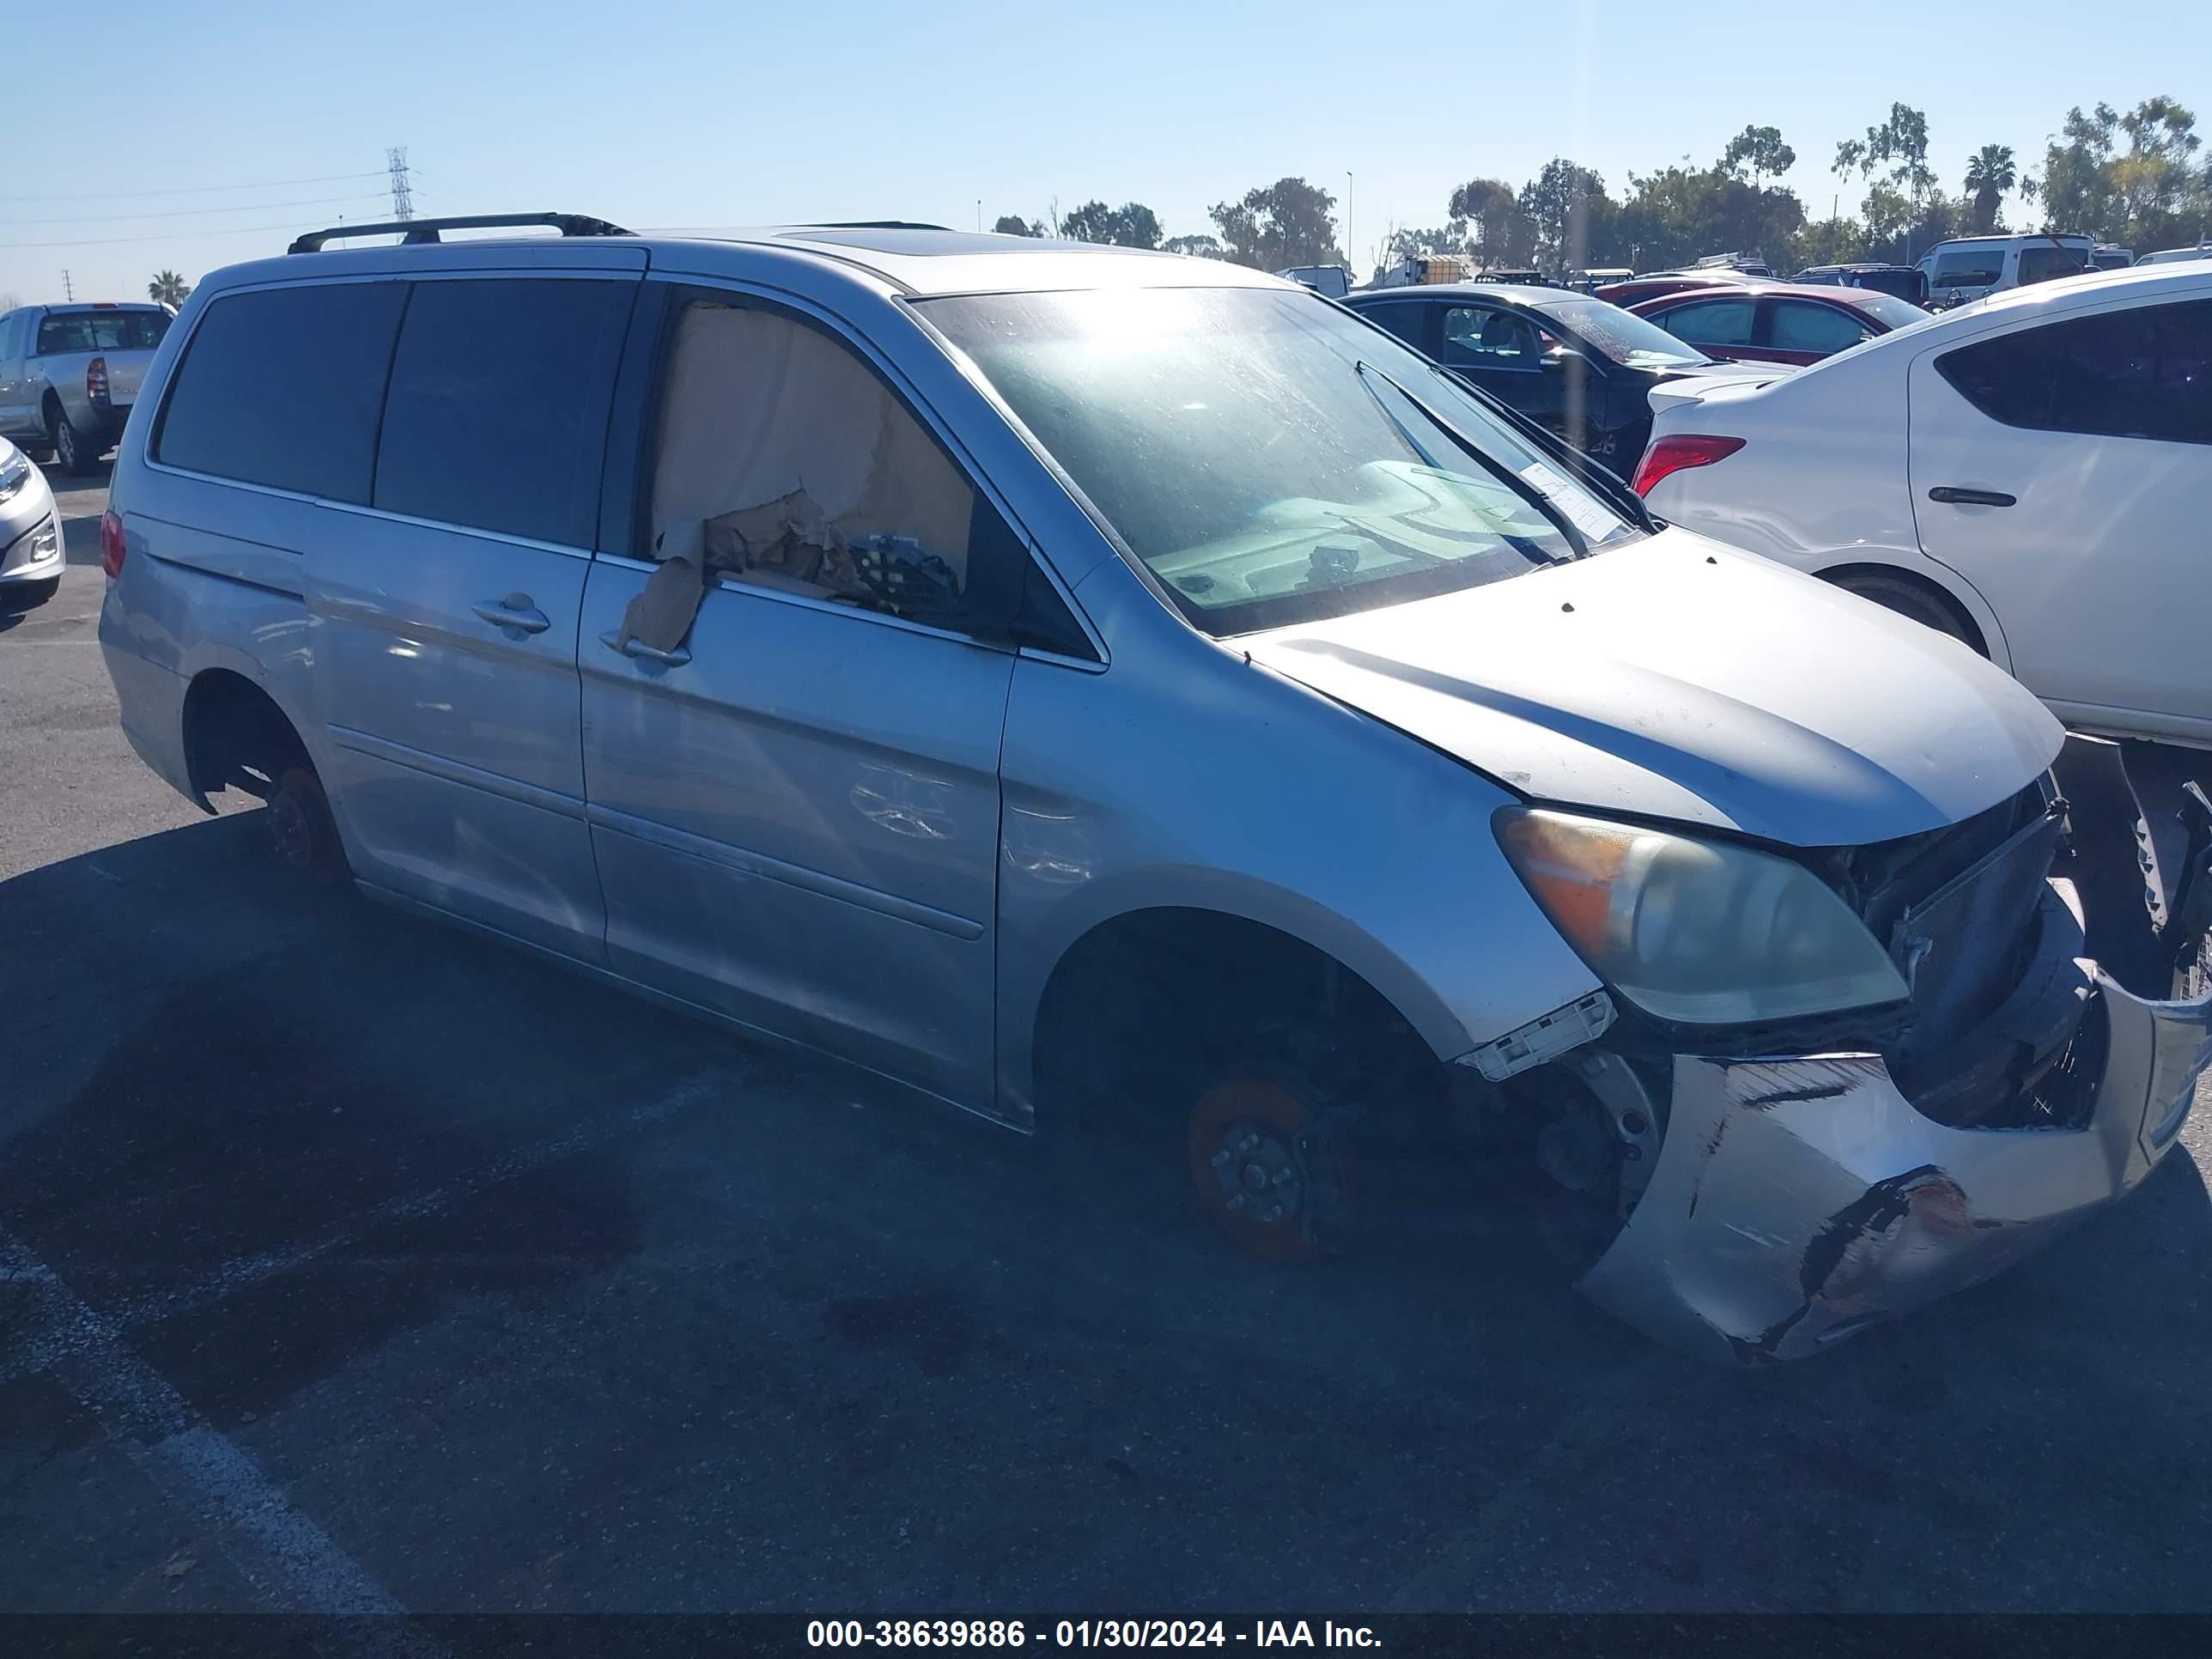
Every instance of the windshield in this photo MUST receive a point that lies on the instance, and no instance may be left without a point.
(1888, 309)
(1622, 335)
(1269, 458)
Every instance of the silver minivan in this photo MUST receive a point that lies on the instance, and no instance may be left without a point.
(1097, 686)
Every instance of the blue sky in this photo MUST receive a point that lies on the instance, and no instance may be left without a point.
(663, 114)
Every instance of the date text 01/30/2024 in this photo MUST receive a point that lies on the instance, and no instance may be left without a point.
(1084, 1633)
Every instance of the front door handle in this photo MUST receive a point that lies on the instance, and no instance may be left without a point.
(1952, 497)
(637, 647)
(515, 612)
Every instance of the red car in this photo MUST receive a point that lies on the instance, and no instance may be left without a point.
(1652, 284)
(1778, 322)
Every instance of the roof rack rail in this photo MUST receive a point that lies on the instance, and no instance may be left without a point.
(418, 232)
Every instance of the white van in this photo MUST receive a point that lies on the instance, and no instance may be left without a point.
(1969, 267)
(1330, 282)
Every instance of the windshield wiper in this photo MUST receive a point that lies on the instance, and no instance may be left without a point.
(1546, 507)
(1403, 430)
(1594, 475)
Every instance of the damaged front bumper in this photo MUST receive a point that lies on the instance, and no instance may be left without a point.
(1798, 1198)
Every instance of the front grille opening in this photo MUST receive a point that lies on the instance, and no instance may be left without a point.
(2014, 1088)
(1956, 909)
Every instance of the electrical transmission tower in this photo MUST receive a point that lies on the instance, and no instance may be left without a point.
(403, 198)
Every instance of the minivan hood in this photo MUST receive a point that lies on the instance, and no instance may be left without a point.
(1675, 678)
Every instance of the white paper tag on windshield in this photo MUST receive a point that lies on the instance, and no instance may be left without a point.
(1584, 511)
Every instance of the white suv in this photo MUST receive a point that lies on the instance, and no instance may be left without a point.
(2029, 474)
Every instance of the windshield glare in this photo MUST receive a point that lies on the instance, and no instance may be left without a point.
(1268, 457)
(1622, 335)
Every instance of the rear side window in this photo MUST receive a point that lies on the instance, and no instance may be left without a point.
(1708, 322)
(1801, 325)
(1403, 320)
(2143, 372)
(497, 414)
(282, 388)
(101, 331)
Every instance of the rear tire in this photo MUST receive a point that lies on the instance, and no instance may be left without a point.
(76, 452)
(302, 830)
(1914, 600)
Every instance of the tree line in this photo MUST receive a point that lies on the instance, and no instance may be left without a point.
(2137, 179)
(1289, 222)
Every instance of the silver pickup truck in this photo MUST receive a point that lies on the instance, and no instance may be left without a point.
(68, 374)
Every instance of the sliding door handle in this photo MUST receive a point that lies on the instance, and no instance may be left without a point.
(1954, 497)
(514, 611)
(636, 647)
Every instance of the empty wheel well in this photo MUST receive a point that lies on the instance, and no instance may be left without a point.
(1169, 993)
(1969, 629)
(51, 406)
(236, 736)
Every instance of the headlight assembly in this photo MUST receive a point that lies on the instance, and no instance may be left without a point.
(14, 471)
(1697, 931)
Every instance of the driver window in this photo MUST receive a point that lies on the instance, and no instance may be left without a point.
(786, 462)
(1476, 337)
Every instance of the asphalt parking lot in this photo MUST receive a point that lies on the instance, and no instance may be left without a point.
(347, 1262)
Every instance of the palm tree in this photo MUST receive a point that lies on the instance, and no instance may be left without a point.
(168, 288)
(1990, 174)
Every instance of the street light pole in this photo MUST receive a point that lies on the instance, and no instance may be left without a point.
(1350, 242)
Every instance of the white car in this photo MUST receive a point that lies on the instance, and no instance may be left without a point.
(30, 533)
(2031, 475)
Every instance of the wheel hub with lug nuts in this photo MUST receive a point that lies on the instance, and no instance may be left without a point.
(1250, 1164)
(1258, 1175)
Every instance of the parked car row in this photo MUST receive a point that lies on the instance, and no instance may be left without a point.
(1576, 366)
(2070, 466)
(1106, 689)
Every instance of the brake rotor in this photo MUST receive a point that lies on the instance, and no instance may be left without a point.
(1252, 1162)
